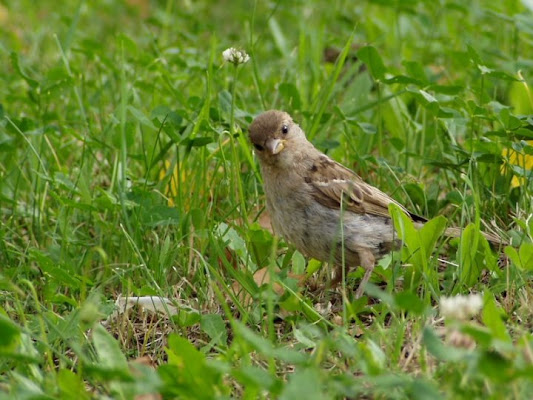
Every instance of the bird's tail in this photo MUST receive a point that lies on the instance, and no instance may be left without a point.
(491, 237)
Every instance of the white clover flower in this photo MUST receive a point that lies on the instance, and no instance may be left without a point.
(235, 56)
(460, 307)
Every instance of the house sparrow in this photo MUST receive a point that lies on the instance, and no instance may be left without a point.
(308, 194)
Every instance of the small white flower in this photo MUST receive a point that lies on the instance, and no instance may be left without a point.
(235, 56)
(460, 307)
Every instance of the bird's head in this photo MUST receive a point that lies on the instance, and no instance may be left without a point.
(274, 134)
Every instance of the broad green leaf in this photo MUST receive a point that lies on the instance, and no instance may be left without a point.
(232, 239)
(15, 63)
(312, 266)
(187, 373)
(290, 93)
(264, 347)
(298, 263)
(109, 353)
(160, 112)
(224, 101)
(258, 343)
(502, 75)
(519, 98)
(470, 270)
(523, 258)
(303, 339)
(373, 357)
(422, 390)
(496, 367)
(252, 375)
(412, 238)
(403, 224)
(141, 118)
(112, 364)
(441, 351)
(71, 385)
(410, 302)
(393, 115)
(412, 249)
(260, 241)
(402, 79)
(182, 353)
(524, 133)
(429, 98)
(368, 128)
(288, 355)
(160, 215)
(303, 384)
(9, 332)
(127, 43)
(415, 70)
(431, 232)
(492, 317)
(214, 326)
(416, 193)
(370, 56)
(186, 318)
(278, 35)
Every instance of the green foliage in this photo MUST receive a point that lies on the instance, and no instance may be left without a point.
(125, 171)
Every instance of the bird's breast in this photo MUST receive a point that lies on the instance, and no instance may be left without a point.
(317, 231)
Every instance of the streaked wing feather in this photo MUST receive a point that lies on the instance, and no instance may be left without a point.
(333, 182)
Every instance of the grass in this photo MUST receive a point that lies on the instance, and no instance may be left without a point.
(125, 172)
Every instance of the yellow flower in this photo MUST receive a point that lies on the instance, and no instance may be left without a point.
(171, 191)
(521, 99)
(524, 161)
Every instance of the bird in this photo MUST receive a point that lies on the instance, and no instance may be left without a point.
(308, 194)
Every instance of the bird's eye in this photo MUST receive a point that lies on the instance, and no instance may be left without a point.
(285, 129)
(258, 147)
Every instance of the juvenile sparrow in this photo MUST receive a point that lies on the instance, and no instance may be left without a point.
(308, 194)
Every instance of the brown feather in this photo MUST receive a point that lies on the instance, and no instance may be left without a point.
(306, 192)
(492, 238)
(334, 184)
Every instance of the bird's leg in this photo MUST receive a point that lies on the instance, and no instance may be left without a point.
(338, 276)
(368, 261)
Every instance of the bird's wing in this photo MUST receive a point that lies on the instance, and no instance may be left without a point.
(333, 183)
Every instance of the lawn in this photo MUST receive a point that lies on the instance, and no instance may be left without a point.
(136, 253)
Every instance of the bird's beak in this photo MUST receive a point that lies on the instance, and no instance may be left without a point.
(275, 146)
